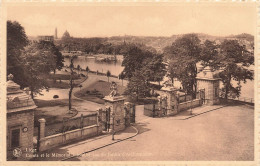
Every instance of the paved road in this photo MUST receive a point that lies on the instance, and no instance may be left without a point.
(223, 134)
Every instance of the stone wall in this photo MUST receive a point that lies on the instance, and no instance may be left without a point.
(64, 138)
(20, 120)
(189, 104)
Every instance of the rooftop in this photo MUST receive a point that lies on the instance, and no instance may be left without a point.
(17, 99)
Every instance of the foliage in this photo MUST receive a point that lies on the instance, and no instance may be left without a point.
(37, 62)
(134, 58)
(16, 41)
(233, 63)
(182, 57)
(87, 69)
(154, 68)
(121, 76)
(108, 74)
(137, 87)
(59, 59)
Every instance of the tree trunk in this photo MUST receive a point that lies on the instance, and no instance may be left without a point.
(172, 80)
(54, 72)
(71, 82)
(70, 92)
(32, 96)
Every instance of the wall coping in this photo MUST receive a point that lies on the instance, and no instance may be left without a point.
(189, 101)
(67, 132)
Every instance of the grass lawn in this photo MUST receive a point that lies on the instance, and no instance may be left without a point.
(53, 110)
(62, 81)
(97, 91)
(51, 103)
(63, 76)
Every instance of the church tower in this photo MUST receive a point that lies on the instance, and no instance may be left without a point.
(56, 34)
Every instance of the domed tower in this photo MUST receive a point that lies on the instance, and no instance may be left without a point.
(20, 121)
(66, 35)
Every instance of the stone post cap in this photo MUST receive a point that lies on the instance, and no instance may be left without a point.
(42, 120)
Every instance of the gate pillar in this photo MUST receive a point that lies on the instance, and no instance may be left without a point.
(116, 105)
(170, 94)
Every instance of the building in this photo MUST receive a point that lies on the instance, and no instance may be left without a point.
(46, 38)
(210, 84)
(20, 122)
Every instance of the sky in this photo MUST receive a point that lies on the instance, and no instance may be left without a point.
(148, 20)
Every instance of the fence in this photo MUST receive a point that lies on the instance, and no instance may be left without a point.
(70, 124)
(151, 110)
(185, 98)
(189, 104)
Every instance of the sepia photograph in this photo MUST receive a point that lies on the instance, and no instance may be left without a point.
(130, 82)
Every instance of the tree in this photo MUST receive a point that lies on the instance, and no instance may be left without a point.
(16, 41)
(209, 54)
(87, 69)
(58, 58)
(154, 69)
(133, 59)
(108, 75)
(137, 88)
(183, 56)
(78, 68)
(71, 80)
(37, 62)
(122, 77)
(233, 62)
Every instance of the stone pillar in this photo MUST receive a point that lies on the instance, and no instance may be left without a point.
(42, 127)
(170, 93)
(116, 105)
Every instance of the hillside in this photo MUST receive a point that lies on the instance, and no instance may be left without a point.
(160, 42)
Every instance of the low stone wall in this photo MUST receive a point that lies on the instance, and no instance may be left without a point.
(187, 105)
(69, 136)
(151, 110)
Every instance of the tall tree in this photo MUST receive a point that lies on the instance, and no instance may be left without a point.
(134, 57)
(122, 77)
(37, 62)
(71, 81)
(233, 63)
(16, 41)
(137, 88)
(58, 58)
(108, 75)
(185, 52)
(87, 69)
(153, 68)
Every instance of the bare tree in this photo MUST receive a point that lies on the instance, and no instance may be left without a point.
(71, 80)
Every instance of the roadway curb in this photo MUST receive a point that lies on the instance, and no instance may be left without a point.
(104, 145)
(204, 112)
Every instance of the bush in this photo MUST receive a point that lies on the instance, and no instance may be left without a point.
(56, 96)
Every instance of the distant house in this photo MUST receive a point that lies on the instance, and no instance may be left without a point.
(46, 38)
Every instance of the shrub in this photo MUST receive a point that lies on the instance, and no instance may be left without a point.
(56, 96)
